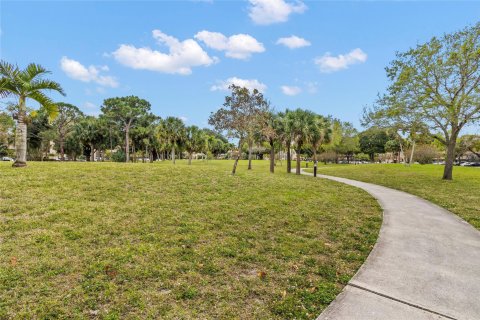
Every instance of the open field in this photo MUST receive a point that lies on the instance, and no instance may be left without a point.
(461, 196)
(150, 241)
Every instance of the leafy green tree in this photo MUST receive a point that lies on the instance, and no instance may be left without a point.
(64, 123)
(350, 144)
(38, 122)
(216, 143)
(73, 146)
(394, 147)
(25, 84)
(395, 117)
(125, 111)
(438, 82)
(143, 135)
(172, 131)
(195, 141)
(372, 141)
(91, 134)
(471, 142)
(241, 117)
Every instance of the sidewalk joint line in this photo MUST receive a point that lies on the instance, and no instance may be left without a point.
(401, 301)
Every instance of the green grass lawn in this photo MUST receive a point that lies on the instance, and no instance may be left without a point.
(157, 241)
(460, 196)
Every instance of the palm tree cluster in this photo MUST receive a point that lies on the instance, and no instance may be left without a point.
(125, 128)
(302, 130)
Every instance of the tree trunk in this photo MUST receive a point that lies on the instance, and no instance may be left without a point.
(272, 157)
(250, 155)
(289, 163)
(173, 154)
(411, 154)
(450, 158)
(189, 158)
(62, 148)
(401, 152)
(92, 153)
(237, 158)
(127, 144)
(21, 136)
(298, 161)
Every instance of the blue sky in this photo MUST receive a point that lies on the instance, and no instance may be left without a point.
(180, 55)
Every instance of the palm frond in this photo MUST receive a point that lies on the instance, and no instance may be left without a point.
(8, 70)
(33, 71)
(46, 103)
(43, 84)
(7, 88)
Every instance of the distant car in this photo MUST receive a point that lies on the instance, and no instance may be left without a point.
(470, 164)
(7, 159)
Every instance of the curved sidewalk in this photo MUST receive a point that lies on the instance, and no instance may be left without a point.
(425, 265)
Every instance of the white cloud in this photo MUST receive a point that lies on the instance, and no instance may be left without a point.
(181, 56)
(77, 71)
(293, 42)
(329, 63)
(183, 118)
(238, 46)
(266, 12)
(250, 84)
(291, 90)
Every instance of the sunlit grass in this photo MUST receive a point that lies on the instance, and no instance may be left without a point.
(157, 241)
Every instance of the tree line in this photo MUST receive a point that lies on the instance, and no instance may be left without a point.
(434, 93)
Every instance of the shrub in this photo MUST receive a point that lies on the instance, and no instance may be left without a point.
(118, 156)
(425, 154)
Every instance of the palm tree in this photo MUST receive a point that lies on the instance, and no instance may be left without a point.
(195, 141)
(321, 133)
(271, 132)
(301, 123)
(172, 131)
(284, 134)
(26, 84)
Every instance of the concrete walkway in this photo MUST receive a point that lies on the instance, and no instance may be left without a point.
(425, 265)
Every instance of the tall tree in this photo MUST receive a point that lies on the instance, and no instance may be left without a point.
(172, 131)
(25, 84)
(64, 123)
(373, 141)
(271, 131)
(302, 124)
(439, 81)
(394, 116)
(195, 141)
(92, 134)
(285, 135)
(321, 133)
(241, 117)
(125, 111)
